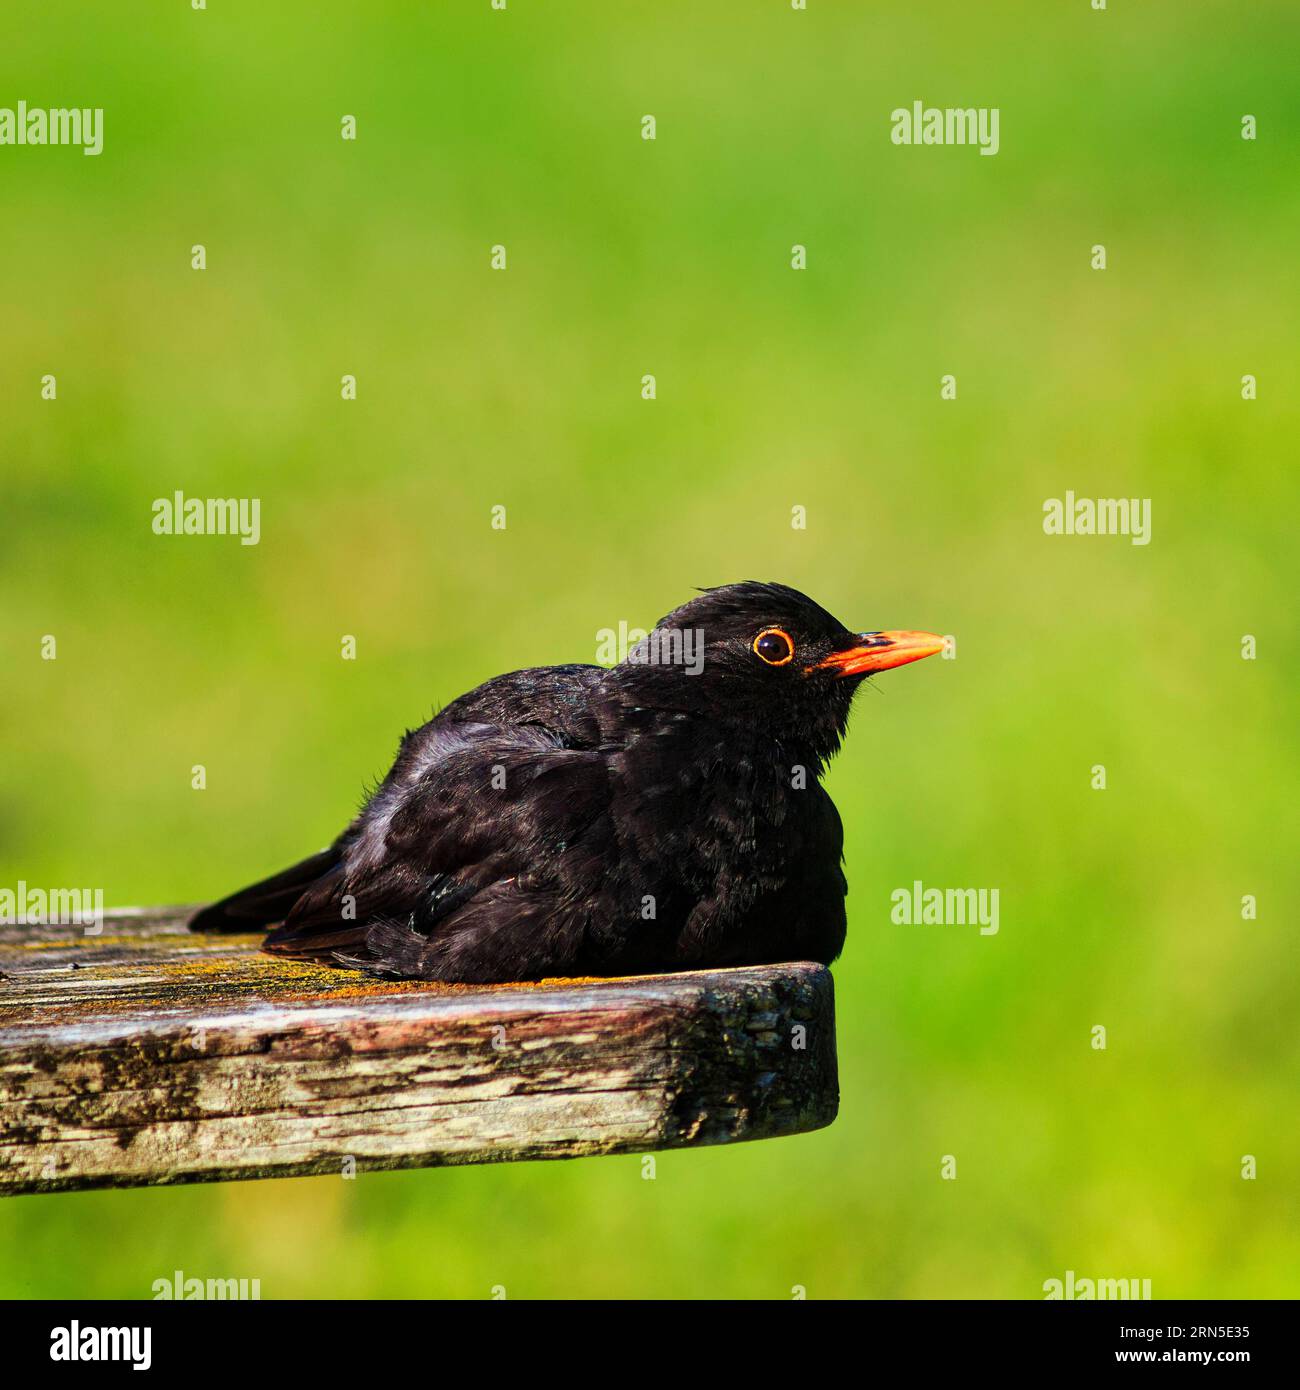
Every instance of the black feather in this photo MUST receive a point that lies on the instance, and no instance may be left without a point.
(576, 820)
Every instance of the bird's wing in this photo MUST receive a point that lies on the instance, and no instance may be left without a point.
(479, 834)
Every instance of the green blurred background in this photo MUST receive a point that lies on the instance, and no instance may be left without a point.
(776, 388)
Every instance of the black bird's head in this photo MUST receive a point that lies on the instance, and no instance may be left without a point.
(766, 654)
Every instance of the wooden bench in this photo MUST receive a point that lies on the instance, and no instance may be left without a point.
(148, 1054)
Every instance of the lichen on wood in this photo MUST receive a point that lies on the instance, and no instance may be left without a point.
(145, 1054)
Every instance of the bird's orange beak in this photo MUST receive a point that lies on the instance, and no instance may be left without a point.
(878, 651)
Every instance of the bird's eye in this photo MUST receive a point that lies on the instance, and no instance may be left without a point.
(774, 646)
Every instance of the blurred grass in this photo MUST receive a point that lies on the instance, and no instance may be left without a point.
(775, 389)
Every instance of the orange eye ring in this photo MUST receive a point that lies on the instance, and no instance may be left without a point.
(762, 639)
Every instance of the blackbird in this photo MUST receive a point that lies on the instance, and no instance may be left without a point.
(662, 814)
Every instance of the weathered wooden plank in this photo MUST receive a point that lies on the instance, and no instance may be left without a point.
(146, 1054)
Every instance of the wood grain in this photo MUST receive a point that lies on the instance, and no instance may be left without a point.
(146, 1054)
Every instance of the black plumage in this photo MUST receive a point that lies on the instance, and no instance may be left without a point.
(663, 814)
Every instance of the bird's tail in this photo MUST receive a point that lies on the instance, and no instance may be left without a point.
(261, 904)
